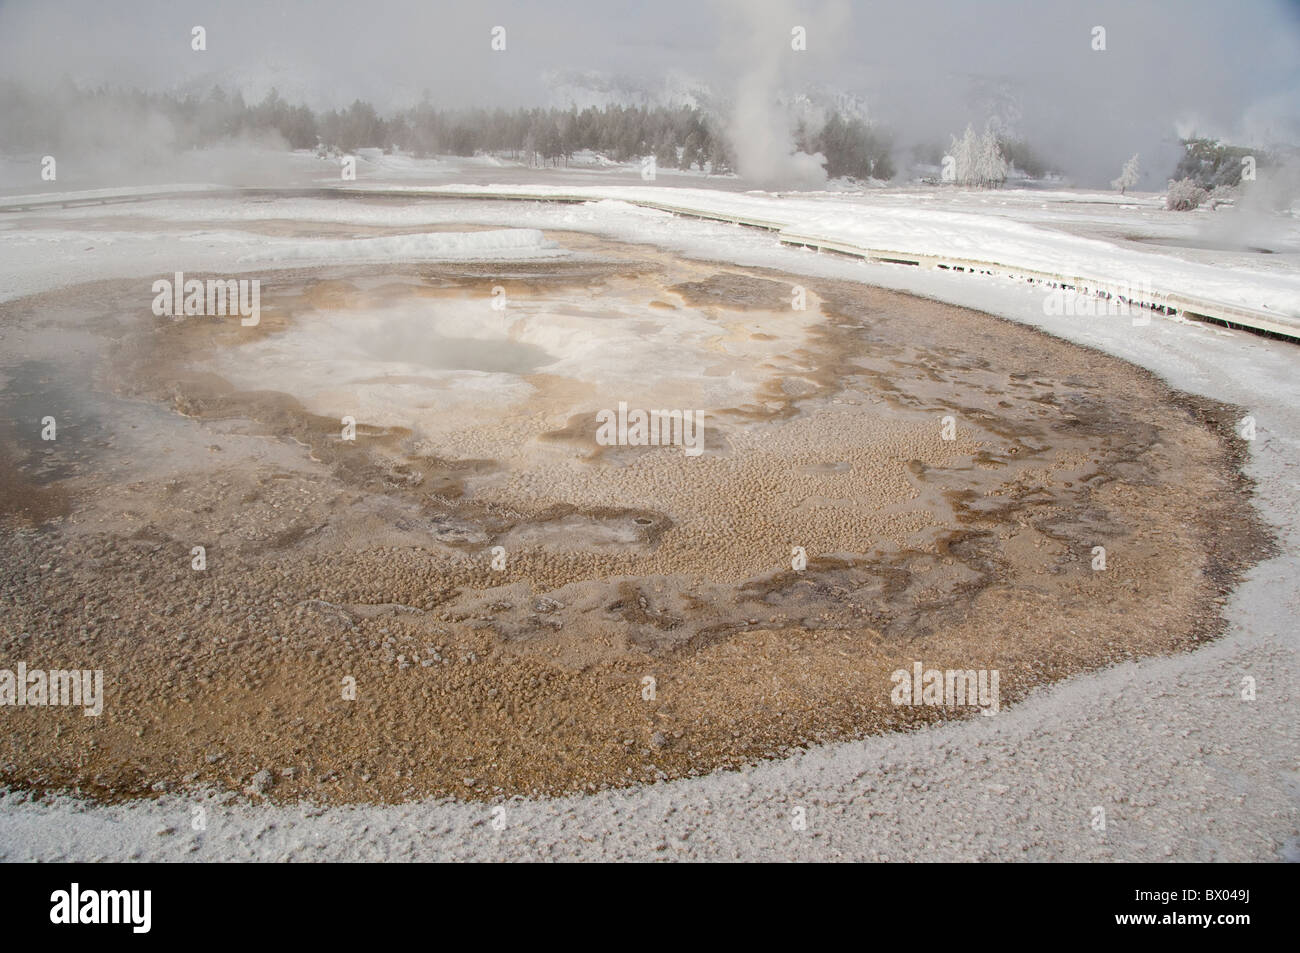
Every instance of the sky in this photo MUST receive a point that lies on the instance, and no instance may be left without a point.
(923, 68)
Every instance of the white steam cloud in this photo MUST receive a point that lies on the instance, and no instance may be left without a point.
(761, 128)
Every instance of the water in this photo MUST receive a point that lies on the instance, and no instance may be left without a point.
(403, 340)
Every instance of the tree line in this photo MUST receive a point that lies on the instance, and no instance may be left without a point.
(113, 119)
(681, 138)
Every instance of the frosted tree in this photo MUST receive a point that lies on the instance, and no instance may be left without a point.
(990, 166)
(977, 160)
(1184, 196)
(962, 154)
(1128, 176)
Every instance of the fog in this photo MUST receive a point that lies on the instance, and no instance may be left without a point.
(923, 69)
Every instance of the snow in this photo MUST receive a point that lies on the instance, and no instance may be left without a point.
(953, 234)
(1075, 235)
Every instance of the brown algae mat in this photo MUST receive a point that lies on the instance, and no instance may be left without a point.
(476, 598)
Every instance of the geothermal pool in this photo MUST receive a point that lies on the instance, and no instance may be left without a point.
(425, 574)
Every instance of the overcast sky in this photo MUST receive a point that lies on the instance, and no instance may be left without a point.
(924, 67)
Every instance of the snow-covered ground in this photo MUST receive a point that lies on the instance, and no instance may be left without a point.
(1229, 256)
(1183, 766)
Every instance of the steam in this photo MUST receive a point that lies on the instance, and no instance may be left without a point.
(761, 130)
(1253, 220)
(114, 140)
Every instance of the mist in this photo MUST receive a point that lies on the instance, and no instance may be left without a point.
(921, 69)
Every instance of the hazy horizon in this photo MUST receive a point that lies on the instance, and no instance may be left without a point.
(919, 69)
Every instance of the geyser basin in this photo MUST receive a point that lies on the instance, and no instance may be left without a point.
(476, 597)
